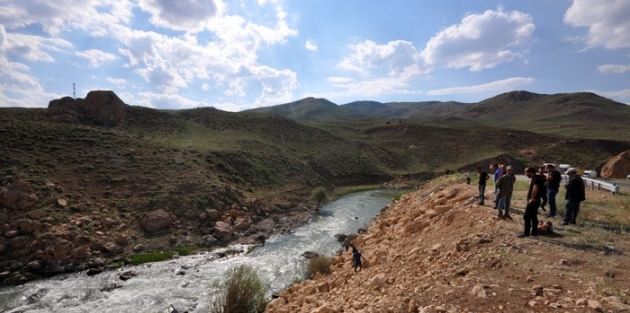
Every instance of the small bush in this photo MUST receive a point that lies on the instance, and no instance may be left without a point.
(241, 292)
(319, 195)
(318, 264)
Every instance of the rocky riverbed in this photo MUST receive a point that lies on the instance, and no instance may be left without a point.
(40, 241)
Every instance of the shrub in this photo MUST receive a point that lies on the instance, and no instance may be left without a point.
(319, 195)
(318, 264)
(241, 292)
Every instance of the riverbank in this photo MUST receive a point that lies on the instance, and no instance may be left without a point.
(437, 250)
(186, 282)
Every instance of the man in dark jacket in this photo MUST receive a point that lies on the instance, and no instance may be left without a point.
(553, 185)
(576, 193)
(483, 177)
(534, 198)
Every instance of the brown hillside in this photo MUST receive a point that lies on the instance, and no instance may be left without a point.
(617, 167)
(435, 250)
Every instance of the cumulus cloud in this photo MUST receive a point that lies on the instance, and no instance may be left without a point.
(118, 82)
(619, 94)
(399, 58)
(613, 68)
(607, 22)
(495, 86)
(339, 80)
(481, 41)
(163, 101)
(350, 88)
(184, 15)
(30, 47)
(96, 57)
(311, 46)
(54, 16)
(224, 57)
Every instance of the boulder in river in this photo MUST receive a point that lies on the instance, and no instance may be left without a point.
(346, 243)
(94, 271)
(310, 254)
(127, 275)
(340, 237)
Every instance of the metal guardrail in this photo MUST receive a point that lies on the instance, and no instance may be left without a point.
(596, 184)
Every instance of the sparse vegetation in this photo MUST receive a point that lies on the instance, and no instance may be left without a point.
(319, 195)
(150, 257)
(241, 292)
(319, 264)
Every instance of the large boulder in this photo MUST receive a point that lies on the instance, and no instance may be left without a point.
(156, 220)
(617, 167)
(100, 106)
(17, 195)
(223, 231)
(243, 222)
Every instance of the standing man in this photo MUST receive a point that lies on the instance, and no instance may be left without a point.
(534, 198)
(553, 185)
(497, 174)
(506, 187)
(483, 177)
(576, 193)
(468, 177)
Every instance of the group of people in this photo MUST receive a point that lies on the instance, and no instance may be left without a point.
(544, 185)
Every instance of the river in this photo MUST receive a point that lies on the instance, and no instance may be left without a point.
(186, 282)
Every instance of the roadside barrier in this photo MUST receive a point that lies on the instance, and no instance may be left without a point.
(595, 184)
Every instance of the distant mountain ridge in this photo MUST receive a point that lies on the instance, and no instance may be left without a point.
(506, 107)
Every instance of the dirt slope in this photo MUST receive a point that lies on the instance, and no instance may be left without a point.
(436, 250)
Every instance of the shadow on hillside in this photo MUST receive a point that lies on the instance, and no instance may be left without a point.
(587, 247)
(614, 228)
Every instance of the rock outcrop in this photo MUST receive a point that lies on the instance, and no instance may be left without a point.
(618, 167)
(100, 107)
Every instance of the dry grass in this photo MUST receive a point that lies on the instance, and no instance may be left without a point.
(242, 291)
(320, 264)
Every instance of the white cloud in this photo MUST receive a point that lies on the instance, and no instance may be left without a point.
(367, 88)
(163, 101)
(481, 41)
(118, 82)
(607, 21)
(311, 46)
(339, 80)
(277, 85)
(17, 85)
(184, 15)
(54, 16)
(613, 68)
(618, 94)
(495, 86)
(29, 47)
(399, 58)
(96, 57)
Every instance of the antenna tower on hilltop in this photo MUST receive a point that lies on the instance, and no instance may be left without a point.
(74, 91)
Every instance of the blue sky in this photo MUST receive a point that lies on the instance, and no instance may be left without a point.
(242, 54)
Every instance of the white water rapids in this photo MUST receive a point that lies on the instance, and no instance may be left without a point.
(160, 285)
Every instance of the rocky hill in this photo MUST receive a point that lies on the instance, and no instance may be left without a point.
(436, 250)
